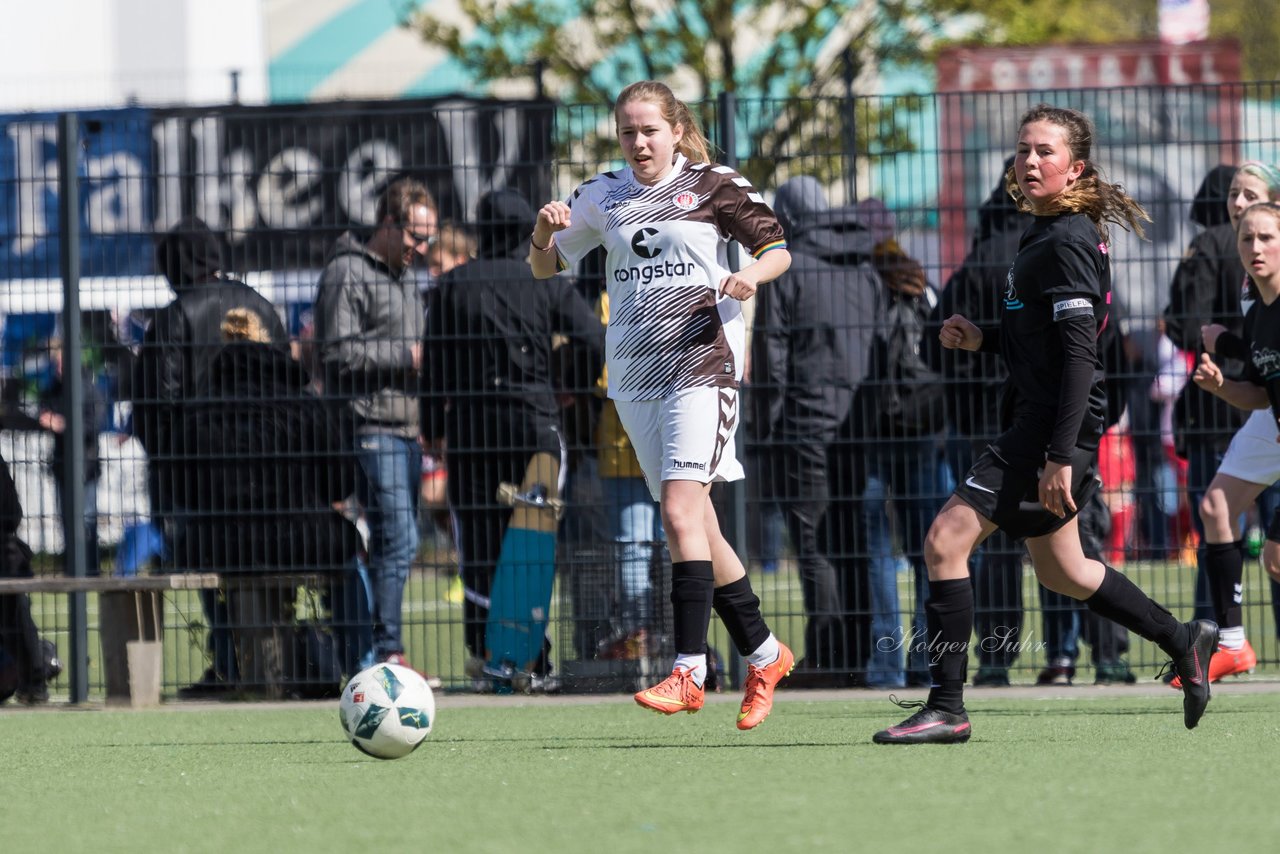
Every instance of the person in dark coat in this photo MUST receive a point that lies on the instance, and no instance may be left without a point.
(811, 339)
(27, 663)
(267, 460)
(180, 343)
(490, 377)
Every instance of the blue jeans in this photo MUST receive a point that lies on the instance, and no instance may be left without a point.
(884, 670)
(635, 525)
(1061, 625)
(918, 481)
(388, 489)
(351, 622)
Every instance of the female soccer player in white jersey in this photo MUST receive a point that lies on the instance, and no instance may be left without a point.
(1034, 476)
(675, 350)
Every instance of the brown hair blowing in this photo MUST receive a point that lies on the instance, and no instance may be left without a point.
(1090, 195)
(693, 144)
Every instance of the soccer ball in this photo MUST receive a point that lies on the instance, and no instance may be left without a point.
(387, 710)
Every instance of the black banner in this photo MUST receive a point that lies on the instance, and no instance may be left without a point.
(282, 182)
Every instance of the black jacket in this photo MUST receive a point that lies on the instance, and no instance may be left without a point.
(974, 381)
(173, 362)
(10, 504)
(265, 461)
(813, 329)
(490, 330)
(1206, 289)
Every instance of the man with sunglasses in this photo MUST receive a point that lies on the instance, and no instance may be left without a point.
(369, 325)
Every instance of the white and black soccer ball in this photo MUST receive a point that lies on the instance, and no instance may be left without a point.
(387, 710)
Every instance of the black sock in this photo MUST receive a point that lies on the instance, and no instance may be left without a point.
(739, 610)
(1119, 599)
(949, 622)
(1224, 567)
(691, 586)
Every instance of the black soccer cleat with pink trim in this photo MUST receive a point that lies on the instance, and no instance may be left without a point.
(1193, 670)
(926, 726)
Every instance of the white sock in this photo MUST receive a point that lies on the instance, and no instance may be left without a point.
(1232, 638)
(695, 664)
(766, 653)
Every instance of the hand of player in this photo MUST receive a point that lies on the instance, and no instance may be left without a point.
(1055, 489)
(959, 333)
(1271, 558)
(1209, 335)
(552, 217)
(1208, 375)
(737, 286)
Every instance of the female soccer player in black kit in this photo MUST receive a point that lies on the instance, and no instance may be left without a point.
(1033, 477)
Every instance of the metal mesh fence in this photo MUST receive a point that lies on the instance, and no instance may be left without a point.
(248, 460)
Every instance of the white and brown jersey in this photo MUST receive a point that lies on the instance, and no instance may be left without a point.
(667, 251)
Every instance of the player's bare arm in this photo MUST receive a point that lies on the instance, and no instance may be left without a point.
(1242, 395)
(743, 284)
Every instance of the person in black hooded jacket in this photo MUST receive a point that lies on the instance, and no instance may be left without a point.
(1206, 289)
(27, 663)
(490, 375)
(813, 332)
(173, 362)
(180, 343)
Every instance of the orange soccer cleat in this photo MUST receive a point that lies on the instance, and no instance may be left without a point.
(677, 693)
(757, 701)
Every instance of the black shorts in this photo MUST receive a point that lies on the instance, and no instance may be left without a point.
(1010, 495)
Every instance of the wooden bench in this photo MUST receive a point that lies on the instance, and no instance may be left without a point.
(130, 624)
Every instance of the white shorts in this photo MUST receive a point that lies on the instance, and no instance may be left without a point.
(686, 436)
(1254, 454)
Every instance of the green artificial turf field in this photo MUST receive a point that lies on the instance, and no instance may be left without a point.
(1107, 771)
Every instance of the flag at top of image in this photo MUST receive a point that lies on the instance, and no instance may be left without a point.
(1183, 21)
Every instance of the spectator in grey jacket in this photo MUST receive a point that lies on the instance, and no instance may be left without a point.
(369, 325)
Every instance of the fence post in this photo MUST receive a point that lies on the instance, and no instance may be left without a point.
(72, 473)
(736, 525)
